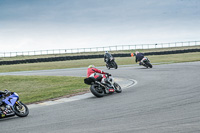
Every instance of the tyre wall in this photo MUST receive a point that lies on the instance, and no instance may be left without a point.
(79, 57)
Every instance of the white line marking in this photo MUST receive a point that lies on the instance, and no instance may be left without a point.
(78, 97)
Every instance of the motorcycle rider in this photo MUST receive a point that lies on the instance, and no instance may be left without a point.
(96, 73)
(1, 95)
(6, 109)
(107, 57)
(138, 57)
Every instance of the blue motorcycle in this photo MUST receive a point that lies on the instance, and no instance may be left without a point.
(11, 106)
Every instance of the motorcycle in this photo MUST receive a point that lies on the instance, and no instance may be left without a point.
(99, 89)
(146, 62)
(112, 63)
(11, 106)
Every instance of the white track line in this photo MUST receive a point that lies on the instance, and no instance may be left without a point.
(78, 97)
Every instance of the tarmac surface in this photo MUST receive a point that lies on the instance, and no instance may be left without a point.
(163, 99)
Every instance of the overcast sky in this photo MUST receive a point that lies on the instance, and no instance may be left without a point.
(28, 25)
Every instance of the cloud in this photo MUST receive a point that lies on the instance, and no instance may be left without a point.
(61, 24)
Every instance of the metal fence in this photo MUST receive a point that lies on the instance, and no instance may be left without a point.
(99, 49)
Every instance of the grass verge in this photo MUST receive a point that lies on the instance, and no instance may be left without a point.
(174, 58)
(39, 88)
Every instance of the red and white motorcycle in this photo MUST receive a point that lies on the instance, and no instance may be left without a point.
(99, 89)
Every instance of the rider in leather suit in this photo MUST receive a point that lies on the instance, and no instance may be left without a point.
(96, 73)
(107, 57)
(138, 57)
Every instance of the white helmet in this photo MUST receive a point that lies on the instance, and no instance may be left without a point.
(137, 52)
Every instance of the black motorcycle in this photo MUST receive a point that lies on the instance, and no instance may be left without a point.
(146, 62)
(111, 63)
(99, 89)
(11, 106)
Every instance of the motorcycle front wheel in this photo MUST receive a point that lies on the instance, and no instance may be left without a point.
(117, 87)
(21, 109)
(97, 90)
(115, 65)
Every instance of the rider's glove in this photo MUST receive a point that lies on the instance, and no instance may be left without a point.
(108, 74)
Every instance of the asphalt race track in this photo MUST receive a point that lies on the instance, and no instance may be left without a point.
(166, 99)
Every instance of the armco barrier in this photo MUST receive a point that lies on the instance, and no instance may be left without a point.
(101, 49)
(78, 57)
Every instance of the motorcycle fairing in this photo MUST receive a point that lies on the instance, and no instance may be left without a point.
(10, 100)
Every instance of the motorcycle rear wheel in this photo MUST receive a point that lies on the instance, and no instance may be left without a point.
(97, 91)
(107, 66)
(149, 64)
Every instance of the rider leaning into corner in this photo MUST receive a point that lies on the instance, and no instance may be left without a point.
(4, 110)
(107, 57)
(138, 57)
(96, 73)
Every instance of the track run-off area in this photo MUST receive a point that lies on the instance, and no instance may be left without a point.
(164, 99)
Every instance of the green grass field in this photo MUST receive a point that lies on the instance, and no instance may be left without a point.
(38, 88)
(187, 57)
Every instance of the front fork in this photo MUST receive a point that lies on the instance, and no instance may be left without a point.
(19, 104)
